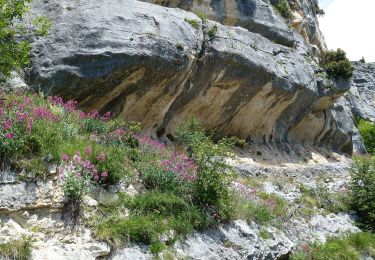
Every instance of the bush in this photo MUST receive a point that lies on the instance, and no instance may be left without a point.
(336, 64)
(367, 131)
(14, 54)
(352, 246)
(283, 8)
(211, 188)
(363, 191)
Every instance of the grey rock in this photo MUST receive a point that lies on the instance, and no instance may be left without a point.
(308, 24)
(257, 16)
(362, 92)
(147, 63)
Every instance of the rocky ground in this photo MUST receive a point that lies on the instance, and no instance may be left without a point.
(37, 209)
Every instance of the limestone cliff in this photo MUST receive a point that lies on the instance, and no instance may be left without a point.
(246, 74)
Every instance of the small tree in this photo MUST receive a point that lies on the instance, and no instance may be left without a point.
(362, 60)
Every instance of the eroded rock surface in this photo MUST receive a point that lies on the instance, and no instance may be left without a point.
(41, 214)
(151, 64)
(361, 96)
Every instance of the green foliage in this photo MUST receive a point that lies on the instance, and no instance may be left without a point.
(363, 191)
(202, 16)
(13, 54)
(211, 189)
(193, 23)
(42, 25)
(157, 247)
(264, 211)
(367, 130)
(336, 64)
(93, 125)
(352, 246)
(362, 60)
(75, 186)
(156, 178)
(263, 233)
(323, 199)
(212, 32)
(283, 8)
(19, 249)
(151, 215)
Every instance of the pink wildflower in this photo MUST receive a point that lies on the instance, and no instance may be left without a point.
(9, 135)
(88, 151)
(96, 178)
(104, 174)
(7, 124)
(101, 157)
(65, 157)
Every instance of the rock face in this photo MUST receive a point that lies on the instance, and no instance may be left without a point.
(159, 66)
(306, 23)
(257, 16)
(361, 96)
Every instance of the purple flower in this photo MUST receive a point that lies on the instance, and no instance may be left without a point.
(96, 178)
(101, 157)
(88, 151)
(7, 124)
(104, 174)
(9, 135)
(65, 157)
(87, 164)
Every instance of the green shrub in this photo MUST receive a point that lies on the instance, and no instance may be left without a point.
(367, 131)
(202, 16)
(211, 188)
(19, 249)
(212, 32)
(42, 25)
(336, 64)
(265, 209)
(362, 60)
(159, 179)
(283, 8)
(193, 23)
(321, 198)
(363, 191)
(13, 54)
(352, 246)
(94, 125)
(157, 247)
(75, 186)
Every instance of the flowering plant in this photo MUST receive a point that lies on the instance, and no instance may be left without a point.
(78, 172)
